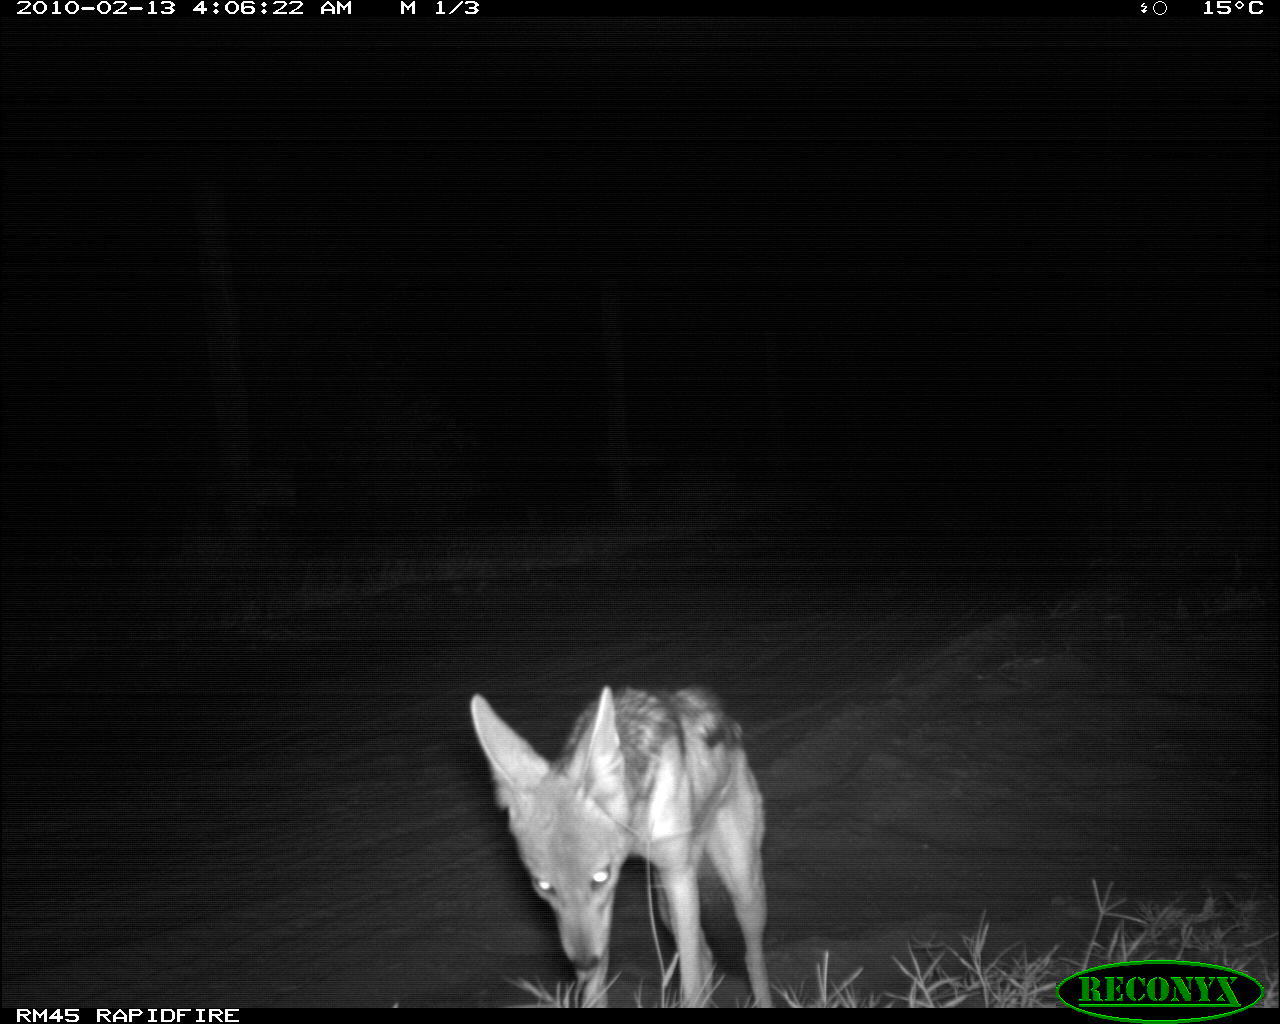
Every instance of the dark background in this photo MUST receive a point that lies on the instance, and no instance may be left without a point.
(1034, 256)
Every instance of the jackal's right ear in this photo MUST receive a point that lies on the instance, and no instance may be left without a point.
(517, 767)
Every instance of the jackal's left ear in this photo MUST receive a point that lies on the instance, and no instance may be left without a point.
(604, 772)
(517, 767)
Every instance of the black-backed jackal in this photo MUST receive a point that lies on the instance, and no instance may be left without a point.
(659, 775)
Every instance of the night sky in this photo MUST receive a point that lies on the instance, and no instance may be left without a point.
(1031, 251)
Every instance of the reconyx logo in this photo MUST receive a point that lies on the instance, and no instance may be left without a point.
(1165, 990)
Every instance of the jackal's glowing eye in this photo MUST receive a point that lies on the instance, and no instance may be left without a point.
(543, 886)
(600, 877)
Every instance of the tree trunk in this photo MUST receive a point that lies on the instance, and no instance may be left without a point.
(222, 329)
(618, 455)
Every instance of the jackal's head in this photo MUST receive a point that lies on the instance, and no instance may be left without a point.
(570, 823)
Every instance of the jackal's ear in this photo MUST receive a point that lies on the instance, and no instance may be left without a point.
(517, 767)
(604, 773)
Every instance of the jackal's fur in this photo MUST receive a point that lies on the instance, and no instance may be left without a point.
(659, 775)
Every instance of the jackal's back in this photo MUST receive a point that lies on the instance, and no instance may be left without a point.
(649, 721)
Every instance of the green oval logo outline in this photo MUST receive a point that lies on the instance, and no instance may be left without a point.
(1165, 1011)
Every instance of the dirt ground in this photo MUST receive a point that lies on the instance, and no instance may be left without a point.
(300, 816)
